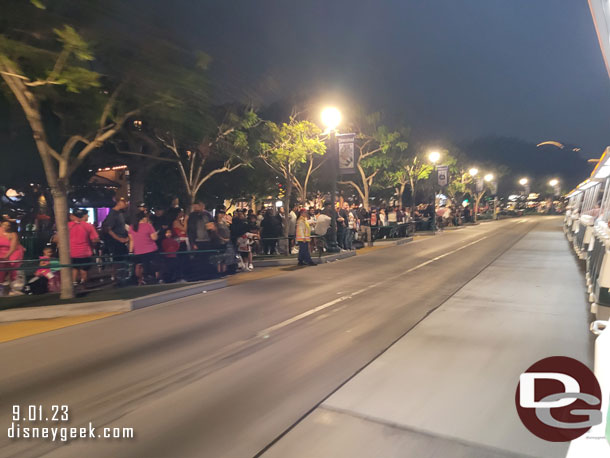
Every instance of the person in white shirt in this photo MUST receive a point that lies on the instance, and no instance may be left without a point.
(392, 218)
(292, 225)
(321, 228)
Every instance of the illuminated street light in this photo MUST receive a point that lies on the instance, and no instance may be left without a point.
(434, 156)
(489, 177)
(523, 181)
(473, 171)
(554, 182)
(331, 118)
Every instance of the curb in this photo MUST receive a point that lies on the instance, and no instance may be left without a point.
(293, 261)
(116, 306)
(390, 242)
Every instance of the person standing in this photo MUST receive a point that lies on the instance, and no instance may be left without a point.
(222, 242)
(365, 225)
(82, 238)
(271, 228)
(10, 250)
(303, 237)
(115, 233)
(143, 244)
(292, 226)
(198, 230)
(342, 221)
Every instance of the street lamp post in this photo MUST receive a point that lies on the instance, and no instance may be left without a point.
(489, 178)
(434, 157)
(526, 187)
(475, 208)
(331, 117)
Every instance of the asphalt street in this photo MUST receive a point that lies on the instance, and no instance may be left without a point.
(226, 373)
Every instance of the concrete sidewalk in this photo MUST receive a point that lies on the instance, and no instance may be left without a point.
(447, 388)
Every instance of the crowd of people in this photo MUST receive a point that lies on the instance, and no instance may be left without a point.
(174, 245)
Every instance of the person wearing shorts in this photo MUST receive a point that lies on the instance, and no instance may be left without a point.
(82, 238)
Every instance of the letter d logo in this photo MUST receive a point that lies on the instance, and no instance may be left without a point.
(558, 399)
(527, 382)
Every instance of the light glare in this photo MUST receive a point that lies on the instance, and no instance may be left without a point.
(331, 117)
(434, 156)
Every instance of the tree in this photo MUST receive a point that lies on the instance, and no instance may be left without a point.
(373, 143)
(140, 152)
(74, 103)
(222, 150)
(409, 171)
(290, 148)
(47, 71)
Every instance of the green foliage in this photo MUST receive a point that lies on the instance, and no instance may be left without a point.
(292, 144)
(76, 79)
(73, 43)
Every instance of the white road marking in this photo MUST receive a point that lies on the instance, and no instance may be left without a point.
(265, 332)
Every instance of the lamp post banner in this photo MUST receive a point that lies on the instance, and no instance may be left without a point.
(479, 184)
(443, 175)
(346, 153)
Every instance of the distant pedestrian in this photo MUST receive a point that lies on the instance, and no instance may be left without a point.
(199, 228)
(83, 237)
(115, 235)
(172, 266)
(303, 237)
(142, 243)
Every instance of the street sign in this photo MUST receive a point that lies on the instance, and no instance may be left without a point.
(479, 184)
(442, 172)
(346, 153)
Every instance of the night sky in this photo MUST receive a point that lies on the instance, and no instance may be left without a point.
(455, 70)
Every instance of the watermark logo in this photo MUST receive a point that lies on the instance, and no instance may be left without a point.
(558, 399)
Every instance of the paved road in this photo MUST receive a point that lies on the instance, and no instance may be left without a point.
(224, 374)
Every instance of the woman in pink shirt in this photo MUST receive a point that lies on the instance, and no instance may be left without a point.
(10, 250)
(143, 244)
(82, 237)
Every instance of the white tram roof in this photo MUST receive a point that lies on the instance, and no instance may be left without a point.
(599, 173)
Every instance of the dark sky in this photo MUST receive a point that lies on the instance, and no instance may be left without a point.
(456, 69)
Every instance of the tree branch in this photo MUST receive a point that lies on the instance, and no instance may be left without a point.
(109, 105)
(226, 168)
(355, 186)
(71, 143)
(97, 142)
(154, 158)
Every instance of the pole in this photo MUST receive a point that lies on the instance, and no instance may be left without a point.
(434, 201)
(333, 247)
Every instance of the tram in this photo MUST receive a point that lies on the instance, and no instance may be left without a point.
(586, 227)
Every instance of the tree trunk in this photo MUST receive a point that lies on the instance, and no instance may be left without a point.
(60, 207)
(365, 200)
(412, 193)
(253, 203)
(190, 200)
(284, 246)
(476, 205)
(403, 186)
(137, 183)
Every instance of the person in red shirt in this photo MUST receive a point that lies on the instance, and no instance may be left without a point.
(171, 268)
(82, 238)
